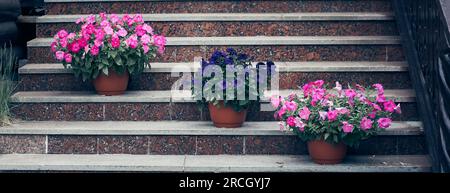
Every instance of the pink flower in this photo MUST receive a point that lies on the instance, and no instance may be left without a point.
(122, 32)
(291, 106)
(305, 113)
(350, 93)
(140, 31)
(71, 36)
(275, 101)
(103, 16)
(82, 42)
(90, 19)
(318, 83)
(376, 107)
(74, 47)
(290, 121)
(79, 20)
(138, 18)
(299, 124)
(347, 128)
(372, 115)
(146, 39)
(98, 43)
(105, 23)
(53, 46)
(159, 40)
(282, 111)
(115, 41)
(323, 115)
(99, 34)
(148, 29)
(132, 41)
(108, 30)
(161, 49)
(332, 115)
(68, 58)
(381, 98)
(343, 111)
(114, 18)
(59, 55)
(379, 89)
(95, 50)
(146, 48)
(63, 42)
(384, 123)
(389, 106)
(366, 123)
(62, 34)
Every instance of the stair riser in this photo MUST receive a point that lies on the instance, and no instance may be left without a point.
(261, 53)
(218, 7)
(195, 145)
(279, 28)
(164, 81)
(142, 112)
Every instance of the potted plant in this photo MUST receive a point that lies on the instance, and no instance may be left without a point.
(233, 96)
(329, 120)
(107, 48)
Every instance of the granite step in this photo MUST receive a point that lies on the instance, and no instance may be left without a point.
(186, 137)
(243, 24)
(393, 75)
(277, 48)
(209, 164)
(147, 105)
(55, 7)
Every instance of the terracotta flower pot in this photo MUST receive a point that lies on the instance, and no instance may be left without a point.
(226, 117)
(323, 152)
(113, 84)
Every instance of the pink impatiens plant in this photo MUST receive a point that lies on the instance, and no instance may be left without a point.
(104, 42)
(335, 115)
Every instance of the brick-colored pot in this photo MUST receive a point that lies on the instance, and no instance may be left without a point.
(322, 152)
(226, 117)
(113, 84)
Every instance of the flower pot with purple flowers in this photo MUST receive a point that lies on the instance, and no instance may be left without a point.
(107, 49)
(224, 86)
(329, 120)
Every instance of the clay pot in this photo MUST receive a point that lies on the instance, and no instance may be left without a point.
(113, 84)
(322, 152)
(226, 117)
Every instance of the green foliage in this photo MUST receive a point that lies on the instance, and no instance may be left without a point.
(7, 62)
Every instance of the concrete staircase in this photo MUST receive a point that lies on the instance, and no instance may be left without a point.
(65, 126)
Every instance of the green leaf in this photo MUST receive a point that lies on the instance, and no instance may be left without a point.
(105, 71)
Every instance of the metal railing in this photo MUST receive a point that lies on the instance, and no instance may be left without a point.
(424, 28)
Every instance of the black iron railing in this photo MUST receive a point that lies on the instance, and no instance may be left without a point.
(424, 27)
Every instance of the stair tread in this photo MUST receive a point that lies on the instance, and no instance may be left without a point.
(263, 40)
(169, 128)
(401, 95)
(353, 66)
(210, 163)
(317, 16)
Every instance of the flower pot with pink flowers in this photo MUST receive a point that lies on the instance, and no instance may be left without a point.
(107, 49)
(329, 120)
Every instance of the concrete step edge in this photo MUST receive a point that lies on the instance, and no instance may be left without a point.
(185, 128)
(214, 163)
(57, 68)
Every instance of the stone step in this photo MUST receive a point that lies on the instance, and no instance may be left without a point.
(55, 7)
(146, 105)
(209, 164)
(393, 75)
(277, 48)
(244, 24)
(186, 137)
